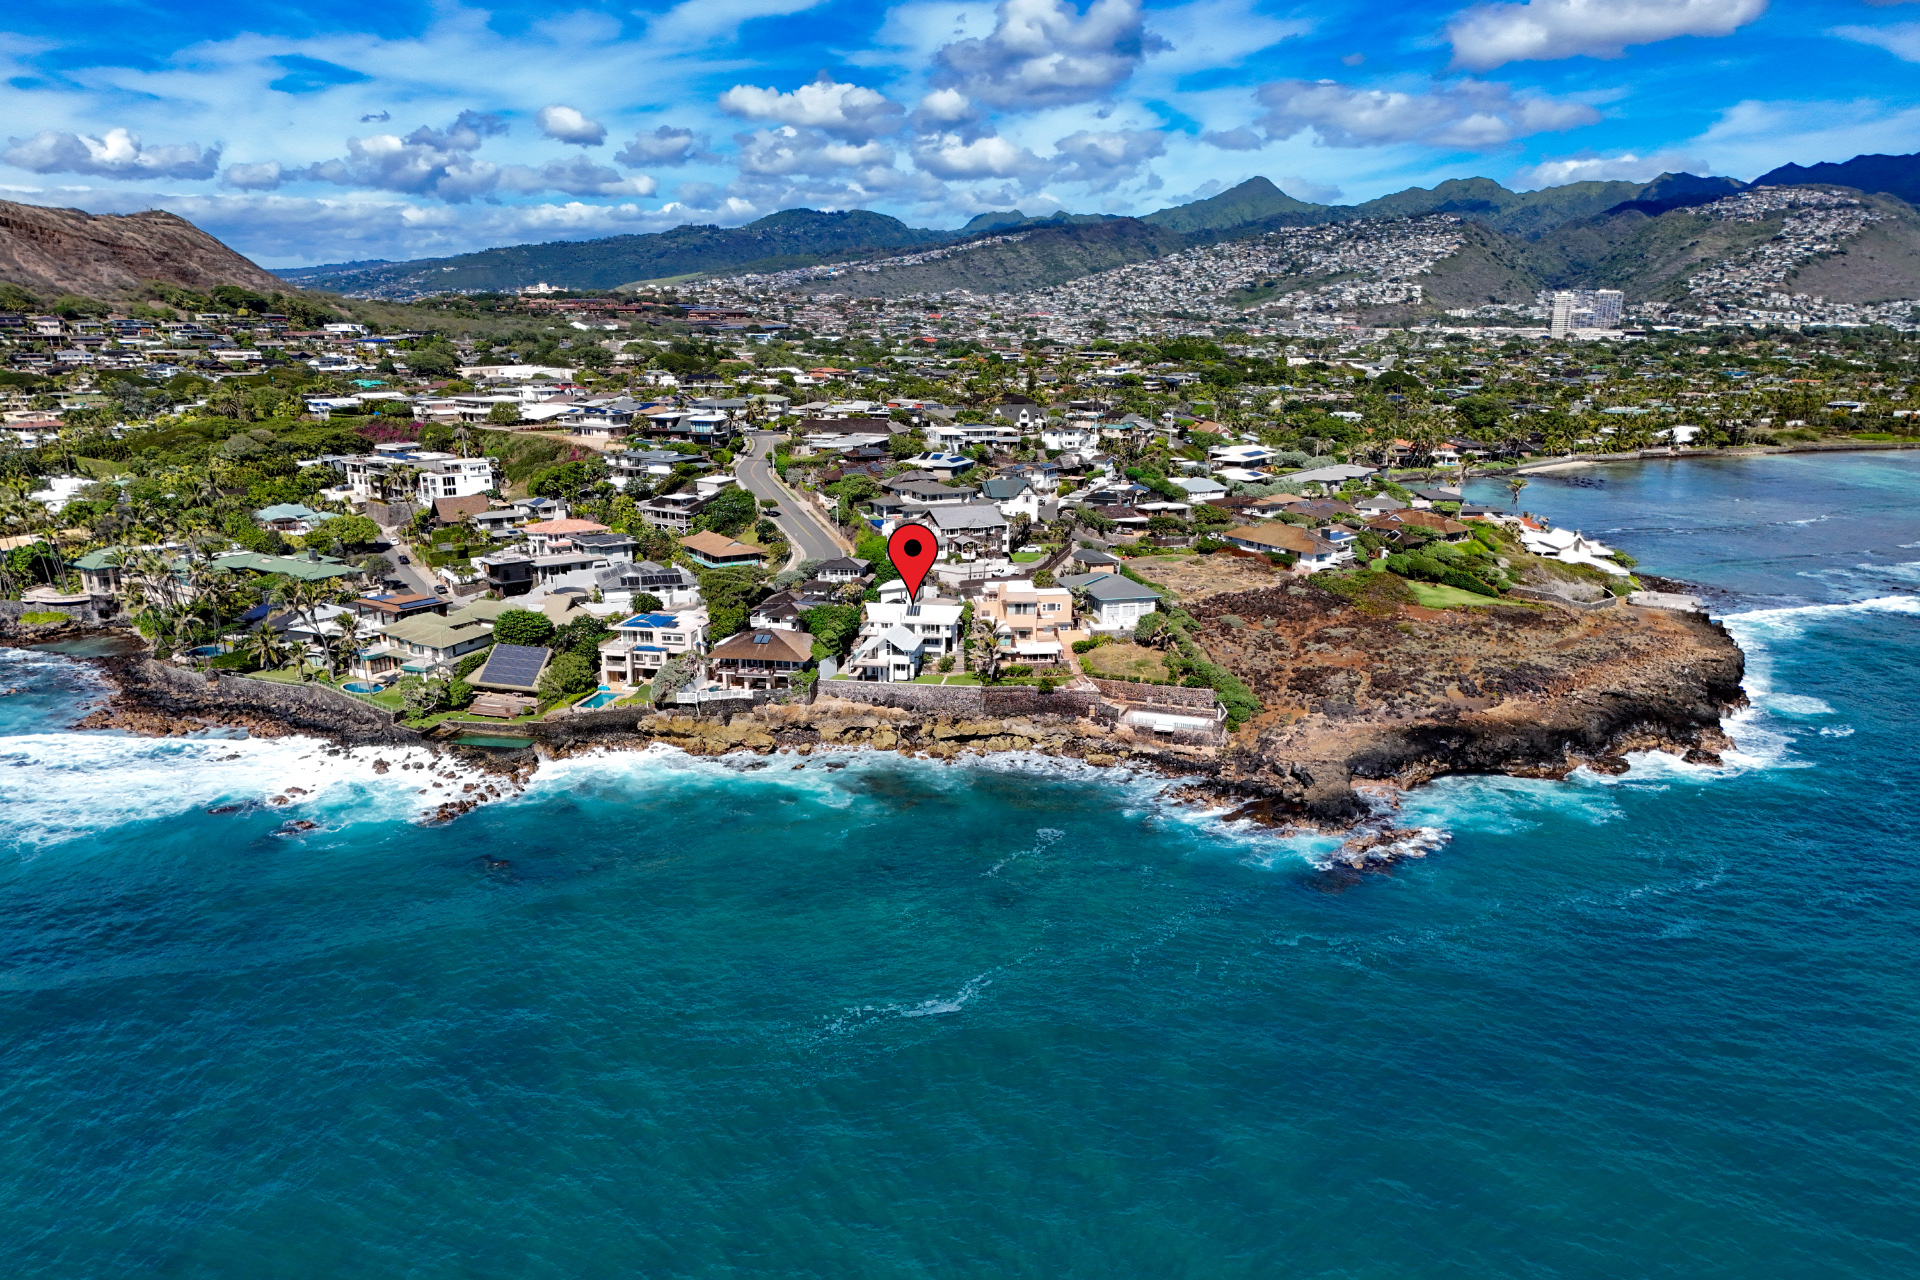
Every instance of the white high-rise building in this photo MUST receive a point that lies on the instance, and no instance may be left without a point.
(1583, 309)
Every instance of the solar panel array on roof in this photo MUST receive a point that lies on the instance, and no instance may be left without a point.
(513, 666)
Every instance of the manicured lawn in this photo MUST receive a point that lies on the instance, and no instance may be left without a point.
(279, 675)
(957, 677)
(1127, 661)
(1434, 596)
(390, 700)
(1028, 557)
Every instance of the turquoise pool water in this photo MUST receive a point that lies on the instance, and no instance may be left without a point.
(603, 698)
(360, 686)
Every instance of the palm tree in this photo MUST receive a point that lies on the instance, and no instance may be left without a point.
(303, 599)
(267, 648)
(345, 645)
(1514, 485)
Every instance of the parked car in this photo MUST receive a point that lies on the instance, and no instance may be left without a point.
(404, 560)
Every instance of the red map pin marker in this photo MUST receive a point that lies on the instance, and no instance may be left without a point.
(912, 549)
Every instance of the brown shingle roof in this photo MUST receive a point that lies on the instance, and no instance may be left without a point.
(718, 545)
(454, 510)
(782, 646)
(1273, 537)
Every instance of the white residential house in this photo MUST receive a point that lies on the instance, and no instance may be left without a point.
(892, 656)
(1029, 418)
(936, 623)
(645, 642)
(1571, 547)
(1075, 437)
(1015, 495)
(968, 531)
(454, 478)
(965, 435)
(1117, 604)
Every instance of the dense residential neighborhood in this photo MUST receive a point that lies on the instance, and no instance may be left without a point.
(490, 507)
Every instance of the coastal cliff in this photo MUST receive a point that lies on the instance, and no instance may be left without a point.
(1352, 692)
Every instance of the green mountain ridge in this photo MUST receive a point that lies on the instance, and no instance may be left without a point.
(791, 237)
(1571, 230)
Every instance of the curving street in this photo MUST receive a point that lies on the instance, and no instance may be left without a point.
(809, 537)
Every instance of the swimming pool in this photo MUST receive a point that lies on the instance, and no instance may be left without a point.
(360, 686)
(598, 700)
(206, 651)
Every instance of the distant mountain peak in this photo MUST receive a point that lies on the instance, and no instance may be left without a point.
(1252, 200)
(1875, 174)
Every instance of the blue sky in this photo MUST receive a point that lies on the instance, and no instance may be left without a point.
(304, 133)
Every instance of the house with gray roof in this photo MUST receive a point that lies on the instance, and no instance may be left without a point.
(968, 532)
(1117, 604)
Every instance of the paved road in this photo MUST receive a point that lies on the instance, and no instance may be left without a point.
(416, 575)
(810, 539)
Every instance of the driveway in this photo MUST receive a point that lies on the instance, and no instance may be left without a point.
(809, 538)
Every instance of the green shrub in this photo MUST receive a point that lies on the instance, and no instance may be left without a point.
(471, 663)
(522, 626)
(40, 617)
(566, 675)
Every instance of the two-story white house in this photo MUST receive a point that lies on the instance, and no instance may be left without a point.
(446, 477)
(897, 638)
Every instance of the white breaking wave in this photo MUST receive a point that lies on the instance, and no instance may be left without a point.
(64, 786)
(1761, 731)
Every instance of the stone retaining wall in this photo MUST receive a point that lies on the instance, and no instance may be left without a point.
(1166, 695)
(1547, 597)
(969, 699)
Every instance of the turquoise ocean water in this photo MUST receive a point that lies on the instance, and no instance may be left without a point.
(1013, 1019)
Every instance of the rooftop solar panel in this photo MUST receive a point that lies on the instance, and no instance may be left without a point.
(513, 665)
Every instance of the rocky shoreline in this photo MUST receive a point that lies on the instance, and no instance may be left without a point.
(1354, 702)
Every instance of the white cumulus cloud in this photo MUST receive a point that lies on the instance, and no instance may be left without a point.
(254, 177)
(1240, 139)
(848, 111)
(788, 151)
(1471, 115)
(427, 161)
(666, 145)
(575, 176)
(1626, 167)
(1491, 35)
(117, 153)
(1044, 53)
(955, 158)
(1104, 158)
(566, 124)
